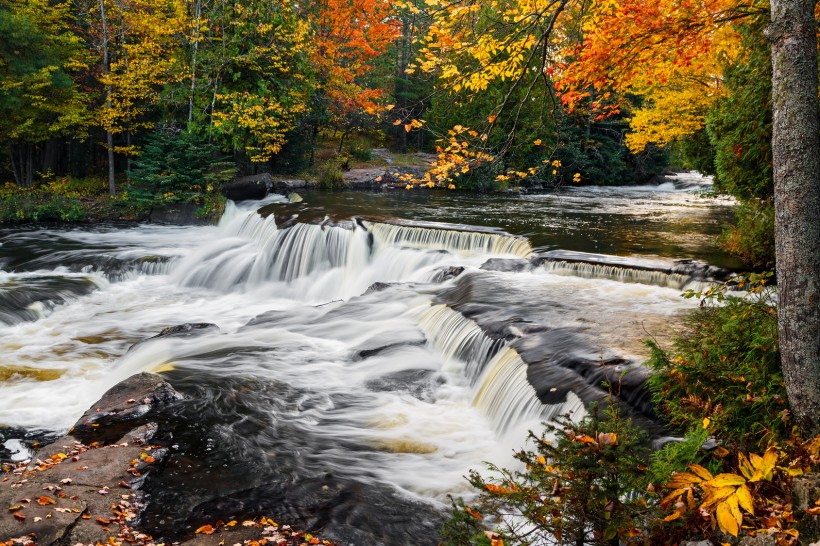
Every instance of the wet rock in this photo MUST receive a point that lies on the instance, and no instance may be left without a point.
(506, 264)
(340, 511)
(248, 187)
(378, 287)
(805, 491)
(70, 490)
(285, 186)
(187, 329)
(757, 540)
(447, 273)
(126, 406)
(700, 270)
(49, 524)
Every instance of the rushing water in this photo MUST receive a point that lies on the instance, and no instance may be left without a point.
(402, 387)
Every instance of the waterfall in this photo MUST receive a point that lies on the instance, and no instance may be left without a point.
(497, 374)
(456, 337)
(451, 240)
(623, 274)
(505, 395)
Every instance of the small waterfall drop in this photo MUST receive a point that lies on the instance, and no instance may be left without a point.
(505, 395)
(452, 240)
(623, 274)
(456, 337)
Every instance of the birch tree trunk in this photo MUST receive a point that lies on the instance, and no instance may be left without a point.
(796, 159)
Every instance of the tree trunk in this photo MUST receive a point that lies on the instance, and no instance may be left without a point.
(796, 161)
(29, 165)
(17, 179)
(109, 136)
(197, 16)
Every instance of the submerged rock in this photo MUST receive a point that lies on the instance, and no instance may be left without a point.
(187, 329)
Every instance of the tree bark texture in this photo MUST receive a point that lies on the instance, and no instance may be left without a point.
(796, 161)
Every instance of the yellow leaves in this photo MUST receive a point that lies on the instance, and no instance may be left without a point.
(706, 422)
(723, 480)
(537, 142)
(701, 472)
(756, 468)
(724, 496)
(728, 519)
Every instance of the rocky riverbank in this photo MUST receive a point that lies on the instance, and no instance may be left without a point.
(88, 487)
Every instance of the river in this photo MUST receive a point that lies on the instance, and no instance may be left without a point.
(350, 347)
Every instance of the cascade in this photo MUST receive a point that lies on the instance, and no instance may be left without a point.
(451, 240)
(506, 397)
(623, 274)
(458, 338)
(396, 391)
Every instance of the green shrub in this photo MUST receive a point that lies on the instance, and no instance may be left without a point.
(582, 483)
(752, 237)
(360, 151)
(725, 366)
(330, 175)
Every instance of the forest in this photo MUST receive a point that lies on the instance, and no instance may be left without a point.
(507, 94)
(112, 108)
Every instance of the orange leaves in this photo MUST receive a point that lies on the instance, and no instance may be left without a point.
(205, 530)
(45, 501)
(498, 489)
(473, 513)
(349, 35)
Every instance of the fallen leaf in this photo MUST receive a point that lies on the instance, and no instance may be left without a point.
(205, 530)
(45, 501)
(19, 516)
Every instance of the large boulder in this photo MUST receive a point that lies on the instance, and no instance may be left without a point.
(248, 187)
(80, 491)
(129, 404)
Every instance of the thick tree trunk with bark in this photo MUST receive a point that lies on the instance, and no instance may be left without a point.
(796, 159)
